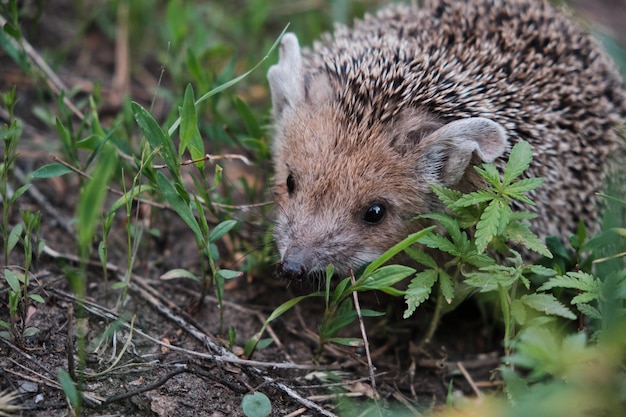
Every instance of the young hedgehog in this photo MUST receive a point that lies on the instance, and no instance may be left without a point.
(373, 115)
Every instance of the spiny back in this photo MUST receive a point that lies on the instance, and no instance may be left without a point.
(519, 63)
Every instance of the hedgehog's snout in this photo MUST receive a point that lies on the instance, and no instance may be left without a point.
(291, 270)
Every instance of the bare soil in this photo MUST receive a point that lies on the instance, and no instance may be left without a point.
(171, 355)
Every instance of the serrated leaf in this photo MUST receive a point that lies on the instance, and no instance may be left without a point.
(576, 280)
(51, 170)
(446, 285)
(518, 311)
(490, 173)
(488, 224)
(520, 233)
(421, 257)
(542, 271)
(439, 242)
(447, 221)
(419, 290)
(515, 386)
(446, 195)
(519, 161)
(547, 304)
(584, 297)
(476, 197)
(589, 311)
(523, 186)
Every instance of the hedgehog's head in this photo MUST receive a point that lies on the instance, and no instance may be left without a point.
(346, 194)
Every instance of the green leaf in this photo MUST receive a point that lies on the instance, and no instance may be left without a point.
(547, 304)
(516, 387)
(12, 280)
(18, 193)
(228, 274)
(12, 30)
(221, 229)
(523, 186)
(519, 161)
(589, 311)
(347, 341)
(14, 236)
(179, 273)
(91, 198)
(178, 204)
(419, 290)
(288, 305)
(382, 279)
(447, 196)
(263, 343)
(129, 195)
(156, 138)
(490, 173)
(439, 242)
(256, 405)
(189, 133)
(518, 311)
(488, 224)
(477, 197)
(51, 170)
(37, 298)
(30, 331)
(542, 271)
(67, 384)
(447, 286)
(447, 221)
(576, 280)
(520, 233)
(420, 256)
(397, 248)
(249, 118)
(232, 82)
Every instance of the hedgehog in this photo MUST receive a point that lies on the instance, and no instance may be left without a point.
(368, 118)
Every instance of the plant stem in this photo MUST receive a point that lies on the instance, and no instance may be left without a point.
(434, 321)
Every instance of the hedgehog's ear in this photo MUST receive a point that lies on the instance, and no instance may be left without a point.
(285, 78)
(447, 151)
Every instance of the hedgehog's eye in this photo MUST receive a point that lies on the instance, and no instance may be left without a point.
(291, 183)
(374, 214)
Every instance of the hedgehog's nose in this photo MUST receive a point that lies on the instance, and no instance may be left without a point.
(291, 270)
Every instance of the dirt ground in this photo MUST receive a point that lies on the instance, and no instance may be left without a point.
(177, 360)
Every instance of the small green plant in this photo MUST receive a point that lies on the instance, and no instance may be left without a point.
(339, 311)
(26, 232)
(256, 405)
(480, 228)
